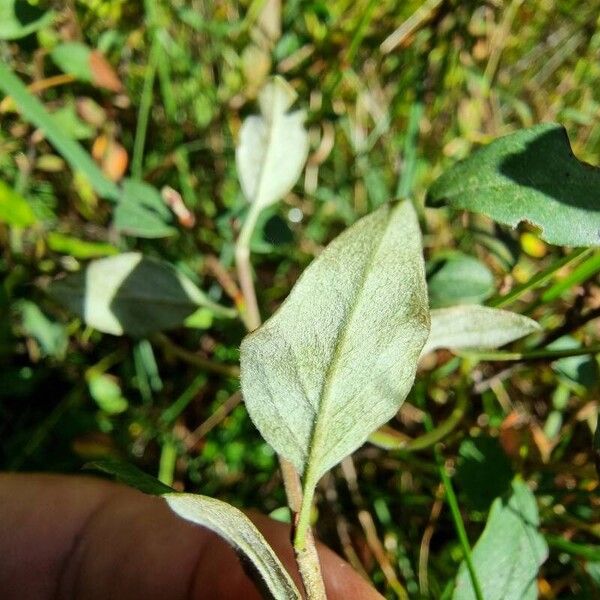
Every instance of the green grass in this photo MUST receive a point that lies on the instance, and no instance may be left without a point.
(384, 123)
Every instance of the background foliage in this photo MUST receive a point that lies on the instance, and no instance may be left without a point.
(395, 92)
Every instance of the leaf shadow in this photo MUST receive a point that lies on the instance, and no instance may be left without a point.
(129, 308)
(547, 164)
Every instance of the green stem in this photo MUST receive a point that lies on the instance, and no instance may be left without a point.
(539, 279)
(303, 523)
(250, 314)
(580, 274)
(529, 355)
(458, 524)
(144, 111)
(585, 551)
(407, 177)
(389, 439)
(304, 547)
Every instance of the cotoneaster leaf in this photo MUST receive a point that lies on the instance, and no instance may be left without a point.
(533, 176)
(338, 358)
(273, 147)
(237, 529)
(473, 326)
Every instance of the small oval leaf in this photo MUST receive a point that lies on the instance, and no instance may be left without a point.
(473, 326)
(132, 294)
(237, 529)
(338, 358)
(458, 279)
(272, 147)
(530, 175)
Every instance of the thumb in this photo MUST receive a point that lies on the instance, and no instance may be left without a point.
(79, 537)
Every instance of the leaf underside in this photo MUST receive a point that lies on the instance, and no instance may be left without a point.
(509, 552)
(473, 326)
(272, 147)
(338, 358)
(235, 527)
(533, 176)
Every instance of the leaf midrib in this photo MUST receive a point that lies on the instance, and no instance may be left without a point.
(271, 124)
(315, 438)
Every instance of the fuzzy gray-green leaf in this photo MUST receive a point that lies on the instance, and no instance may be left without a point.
(273, 147)
(235, 527)
(338, 358)
(131, 294)
(473, 326)
(509, 552)
(530, 175)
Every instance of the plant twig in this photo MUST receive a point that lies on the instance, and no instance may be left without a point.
(307, 556)
(194, 359)
(529, 354)
(368, 526)
(191, 440)
(390, 439)
(250, 313)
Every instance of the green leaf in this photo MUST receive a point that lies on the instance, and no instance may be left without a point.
(105, 390)
(458, 279)
(72, 246)
(273, 147)
(509, 552)
(130, 475)
(18, 19)
(68, 120)
(73, 58)
(473, 326)
(14, 209)
(131, 294)
(582, 370)
(141, 211)
(338, 358)
(477, 458)
(531, 175)
(236, 528)
(51, 336)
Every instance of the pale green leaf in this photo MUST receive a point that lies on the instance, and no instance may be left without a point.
(73, 58)
(273, 147)
(131, 294)
(67, 244)
(68, 120)
(19, 18)
(458, 279)
(141, 211)
(509, 552)
(14, 209)
(106, 391)
(533, 176)
(51, 336)
(338, 358)
(473, 326)
(236, 528)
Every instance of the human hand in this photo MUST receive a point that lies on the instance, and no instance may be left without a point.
(82, 538)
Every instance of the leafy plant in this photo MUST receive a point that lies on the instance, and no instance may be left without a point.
(339, 357)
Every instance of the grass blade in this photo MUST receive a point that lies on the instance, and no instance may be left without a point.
(35, 113)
